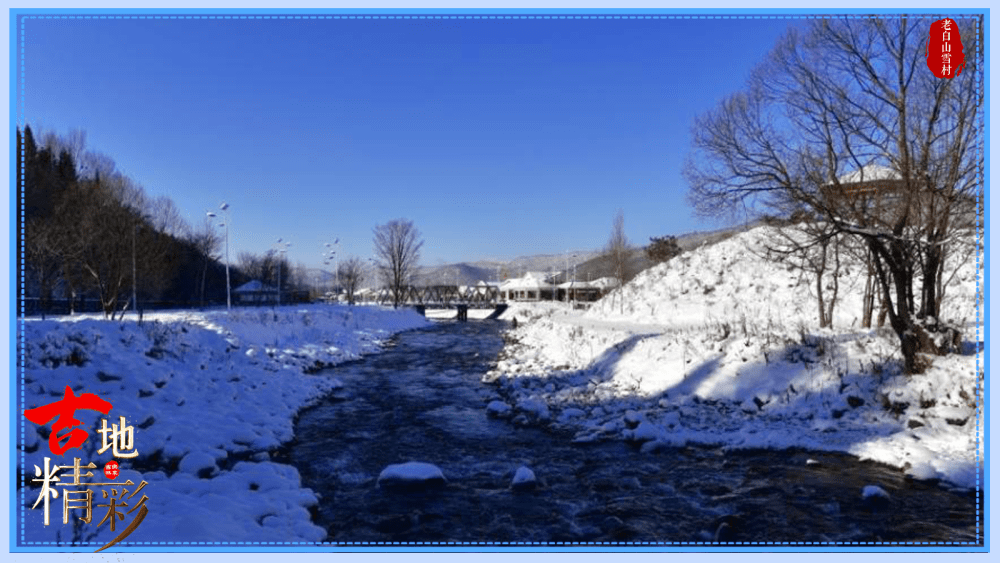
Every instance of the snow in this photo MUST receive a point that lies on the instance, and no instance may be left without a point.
(720, 346)
(717, 346)
(211, 396)
(869, 173)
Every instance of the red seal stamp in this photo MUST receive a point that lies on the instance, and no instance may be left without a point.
(945, 56)
(111, 469)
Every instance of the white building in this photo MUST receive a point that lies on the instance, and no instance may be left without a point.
(532, 287)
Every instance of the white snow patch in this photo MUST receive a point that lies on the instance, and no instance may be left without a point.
(197, 387)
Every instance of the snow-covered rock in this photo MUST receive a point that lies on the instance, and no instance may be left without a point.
(645, 432)
(412, 474)
(534, 407)
(498, 409)
(524, 479)
(875, 497)
(196, 462)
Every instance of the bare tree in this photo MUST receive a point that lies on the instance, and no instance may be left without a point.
(397, 246)
(166, 217)
(43, 252)
(101, 245)
(845, 122)
(619, 251)
(251, 265)
(206, 240)
(813, 248)
(351, 273)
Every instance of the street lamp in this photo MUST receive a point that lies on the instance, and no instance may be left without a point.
(375, 288)
(336, 261)
(281, 248)
(225, 207)
(574, 279)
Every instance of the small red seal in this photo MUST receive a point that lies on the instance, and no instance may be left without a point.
(945, 56)
(111, 469)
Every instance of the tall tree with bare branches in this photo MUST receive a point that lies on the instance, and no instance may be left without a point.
(351, 273)
(397, 246)
(619, 251)
(845, 121)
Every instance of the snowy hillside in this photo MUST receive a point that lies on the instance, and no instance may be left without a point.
(720, 346)
(211, 396)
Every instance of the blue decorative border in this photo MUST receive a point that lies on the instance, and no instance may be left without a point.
(17, 18)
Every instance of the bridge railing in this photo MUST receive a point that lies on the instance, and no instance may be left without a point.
(445, 295)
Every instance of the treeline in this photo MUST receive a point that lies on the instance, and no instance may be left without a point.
(91, 233)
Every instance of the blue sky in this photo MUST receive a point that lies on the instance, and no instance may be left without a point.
(497, 138)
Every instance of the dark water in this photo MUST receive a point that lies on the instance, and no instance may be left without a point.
(422, 400)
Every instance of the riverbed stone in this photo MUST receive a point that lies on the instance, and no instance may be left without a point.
(412, 475)
(498, 409)
(572, 412)
(644, 432)
(534, 407)
(875, 497)
(524, 480)
(654, 446)
(633, 418)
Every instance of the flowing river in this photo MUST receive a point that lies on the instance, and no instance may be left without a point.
(421, 399)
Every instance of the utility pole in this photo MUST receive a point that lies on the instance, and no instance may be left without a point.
(225, 207)
(135, 227)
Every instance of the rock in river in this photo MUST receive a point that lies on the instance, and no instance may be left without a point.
(412, 475)
(524, 479)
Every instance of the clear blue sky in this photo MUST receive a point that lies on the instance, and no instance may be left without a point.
(497, 138)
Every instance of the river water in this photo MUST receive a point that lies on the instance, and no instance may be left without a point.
(421, 399)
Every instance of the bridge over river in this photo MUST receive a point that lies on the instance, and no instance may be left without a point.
(449, 297)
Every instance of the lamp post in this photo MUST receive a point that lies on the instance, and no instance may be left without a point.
(374, 279)
(574, 279)
(225, 207)
(332, 253)
(281, 248)
(566, 297)
(135, 227)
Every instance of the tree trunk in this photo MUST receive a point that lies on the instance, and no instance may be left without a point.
(868, 300)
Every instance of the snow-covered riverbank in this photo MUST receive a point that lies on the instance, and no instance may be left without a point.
(719, 346)
(210, 396)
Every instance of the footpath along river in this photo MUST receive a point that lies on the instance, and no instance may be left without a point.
(422, 399)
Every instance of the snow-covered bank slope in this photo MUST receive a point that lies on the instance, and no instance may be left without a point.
(720, 346)
(209, 396)
(733, 280)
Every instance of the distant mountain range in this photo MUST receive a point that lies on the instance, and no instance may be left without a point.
(589, 264)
